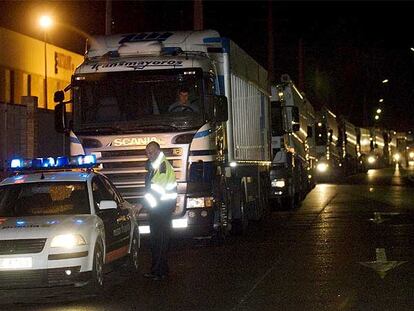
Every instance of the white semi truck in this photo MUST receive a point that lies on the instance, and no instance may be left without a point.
(293, 147)
(220, 151)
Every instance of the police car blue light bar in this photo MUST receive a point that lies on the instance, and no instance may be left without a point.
(82, 161)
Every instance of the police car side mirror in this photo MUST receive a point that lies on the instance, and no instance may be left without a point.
(107, 205)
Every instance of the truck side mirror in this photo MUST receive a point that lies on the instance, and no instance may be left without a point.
(60, 118)
(59, 97)
(216, 108)
(295, 119)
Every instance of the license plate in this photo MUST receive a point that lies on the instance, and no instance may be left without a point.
(16, 263)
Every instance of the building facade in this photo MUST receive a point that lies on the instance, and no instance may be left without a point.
(26, 116)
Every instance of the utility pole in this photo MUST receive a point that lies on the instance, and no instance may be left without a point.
(198, 22)
(108, 17)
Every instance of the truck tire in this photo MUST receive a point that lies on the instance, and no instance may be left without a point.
(223, 212)
(240, 225)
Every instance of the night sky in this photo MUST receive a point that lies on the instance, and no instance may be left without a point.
(349, 47)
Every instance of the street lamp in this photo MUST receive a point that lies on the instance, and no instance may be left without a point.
(381, 100)
(45, 23)
(377, 117)
(385, 81)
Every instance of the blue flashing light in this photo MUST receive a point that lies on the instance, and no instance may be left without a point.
(16, 163)
(79, 221)
(83, 161)
(62, 161)
(20, 222)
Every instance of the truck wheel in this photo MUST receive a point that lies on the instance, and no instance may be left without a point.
(133, 260)
(97, 281)
(289, 202)
(240, 225)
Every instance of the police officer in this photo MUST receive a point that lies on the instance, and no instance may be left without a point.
(160, 199)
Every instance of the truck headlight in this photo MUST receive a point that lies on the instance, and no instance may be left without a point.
(199, 202)
(322, 167)
(371, 159)
(278, 183)
(68, 241)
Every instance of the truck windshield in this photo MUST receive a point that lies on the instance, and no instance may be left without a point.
(136, 99)
(45, 198)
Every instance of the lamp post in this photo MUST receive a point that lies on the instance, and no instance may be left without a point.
(45, 23)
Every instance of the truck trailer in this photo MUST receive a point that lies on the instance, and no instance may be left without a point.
(121, 95)
(293, 120)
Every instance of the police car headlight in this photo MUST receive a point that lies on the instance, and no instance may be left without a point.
(278, 183)
(68, 241)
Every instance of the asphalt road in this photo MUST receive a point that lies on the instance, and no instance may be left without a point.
(348, 247)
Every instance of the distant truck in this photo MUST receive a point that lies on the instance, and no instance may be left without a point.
(121, 96)
(293, 144)
(329, 145)
(351, 163)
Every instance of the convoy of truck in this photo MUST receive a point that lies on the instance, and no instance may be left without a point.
(249, 141)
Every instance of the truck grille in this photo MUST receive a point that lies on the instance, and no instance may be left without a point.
(126, 168)
(27, 246)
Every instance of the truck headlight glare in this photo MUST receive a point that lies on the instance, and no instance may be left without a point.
(322, 167)
(67, 241)
(278, 183)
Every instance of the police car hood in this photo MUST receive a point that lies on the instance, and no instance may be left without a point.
(35, 227)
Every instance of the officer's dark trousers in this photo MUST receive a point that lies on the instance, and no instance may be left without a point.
(160, 226)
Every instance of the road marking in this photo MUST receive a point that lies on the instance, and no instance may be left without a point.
(378, 219)
(382, 266)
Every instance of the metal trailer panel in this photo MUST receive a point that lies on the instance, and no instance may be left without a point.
(249, 117)
(365, 140)
(351, 139)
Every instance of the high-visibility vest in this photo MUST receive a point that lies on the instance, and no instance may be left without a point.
(163, 184)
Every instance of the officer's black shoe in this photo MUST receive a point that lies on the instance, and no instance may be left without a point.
(159, 277)
(150, 275)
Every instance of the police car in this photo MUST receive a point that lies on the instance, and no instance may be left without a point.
(62, 223)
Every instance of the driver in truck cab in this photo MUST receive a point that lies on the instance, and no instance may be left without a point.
(183, 104)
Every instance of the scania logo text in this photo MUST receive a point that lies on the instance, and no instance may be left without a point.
(135, 141)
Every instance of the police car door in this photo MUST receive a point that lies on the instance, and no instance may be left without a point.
(116, 222)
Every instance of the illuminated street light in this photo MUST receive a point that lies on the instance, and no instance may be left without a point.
(412, 49)
(385, 81)
(379, 110)
(381, 100)
(45, 23)
(377, 117)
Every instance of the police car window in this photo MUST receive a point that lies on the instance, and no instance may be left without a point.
(100, 192)
(111, 188)
(41, 199)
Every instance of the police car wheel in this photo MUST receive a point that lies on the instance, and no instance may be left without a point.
(134, 254)
(97, 282)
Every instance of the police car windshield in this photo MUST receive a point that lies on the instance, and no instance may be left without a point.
(136, 98)
(45, 198)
